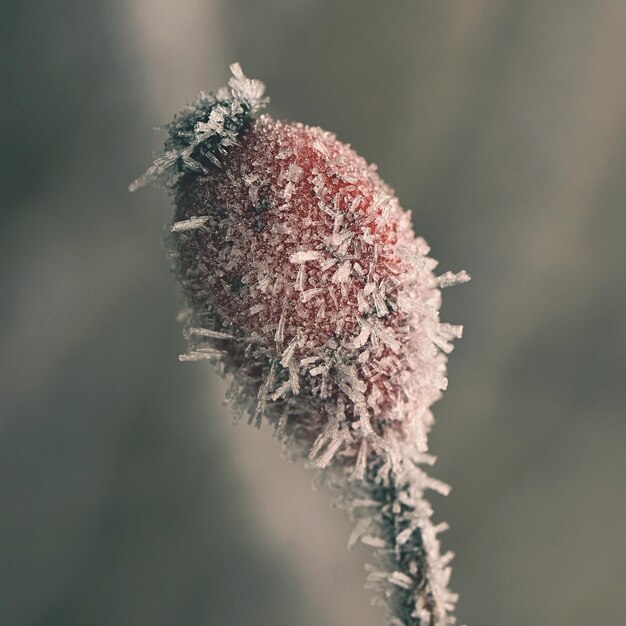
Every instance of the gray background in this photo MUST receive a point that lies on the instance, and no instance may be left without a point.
(127, 497)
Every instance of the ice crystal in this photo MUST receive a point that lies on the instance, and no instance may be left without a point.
(200, 134)
(305, 282)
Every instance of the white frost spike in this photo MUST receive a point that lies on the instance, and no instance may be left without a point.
(300, 278)
(264, 283)
(307, 295)
(281, 391)
(262, 397)
(190, 224)
(257, 308)
(280, 330)
(293, 173)
(364, 307)
(320, 147)
(360, 529)
(449, 279)
(161, 165)
(328, 263)
(294, 379)
(247, 89)
(330, 452)
(304, 256)
(200, 355)
(380, 199)
(206, 332)
(379, 303)
(374, 542)
(405, 535)
(288, 353)
(184, 314)
(338, 220)
(361, 461)
(342, 274)
(401, 580)
(386, 337)
(450, 331)
(309, 360)
(361, 339)
(321, 440)
(444, 336)
(337, 239)
(415, 259)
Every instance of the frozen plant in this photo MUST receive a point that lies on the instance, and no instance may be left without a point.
(307, 287)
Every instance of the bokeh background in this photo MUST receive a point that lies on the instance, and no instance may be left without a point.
(126, 496)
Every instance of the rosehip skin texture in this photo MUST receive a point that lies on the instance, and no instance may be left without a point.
(289, 190)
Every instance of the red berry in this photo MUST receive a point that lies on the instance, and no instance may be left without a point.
(306, 283)
(306, 253)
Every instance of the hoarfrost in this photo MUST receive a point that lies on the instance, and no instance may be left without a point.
(199, 133)
(304, 256)
(289, 352)
(190, 224)
(207, 332)
(379, 303)
(280, 330)
(200, 355)
(307, 295)
(449, 279)
(257, 308)
(343, 273)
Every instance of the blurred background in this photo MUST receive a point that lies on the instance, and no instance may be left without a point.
(126, 495)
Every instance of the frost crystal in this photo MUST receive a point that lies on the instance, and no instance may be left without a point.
(200, 134)
(305, 282)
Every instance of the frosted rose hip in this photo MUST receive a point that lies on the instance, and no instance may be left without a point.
(306, 248)
(307, 286)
